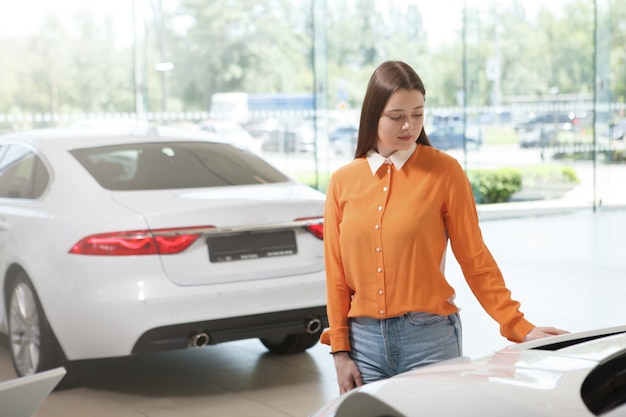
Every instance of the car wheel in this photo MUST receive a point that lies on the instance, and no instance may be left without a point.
(33, 346)
(291, 343)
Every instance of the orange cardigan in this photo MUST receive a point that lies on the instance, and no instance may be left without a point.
(385, 239)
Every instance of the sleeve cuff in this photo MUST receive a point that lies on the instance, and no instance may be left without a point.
(338, 339)
(518, 332)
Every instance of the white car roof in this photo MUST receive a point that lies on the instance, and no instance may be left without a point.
(89, 136)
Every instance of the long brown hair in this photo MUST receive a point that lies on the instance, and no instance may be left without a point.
(386, 80)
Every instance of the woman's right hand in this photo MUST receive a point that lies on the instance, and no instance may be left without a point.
(348, 375)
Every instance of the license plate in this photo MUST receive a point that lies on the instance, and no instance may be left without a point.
(251, 245)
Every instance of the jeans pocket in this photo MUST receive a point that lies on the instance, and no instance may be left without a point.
(424, 319)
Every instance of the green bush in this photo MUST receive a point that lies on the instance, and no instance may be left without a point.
(540, 175)
(570, 175)
(618, 155)
(495, 185)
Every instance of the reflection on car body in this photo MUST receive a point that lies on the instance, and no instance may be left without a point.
(577, 374)
(125, 241)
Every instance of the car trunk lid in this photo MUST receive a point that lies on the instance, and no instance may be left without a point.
(247, 232)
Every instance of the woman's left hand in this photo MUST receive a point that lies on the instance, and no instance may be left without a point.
(541, 332)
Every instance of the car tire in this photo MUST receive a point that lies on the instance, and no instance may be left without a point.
(291, 343)
(32, 343)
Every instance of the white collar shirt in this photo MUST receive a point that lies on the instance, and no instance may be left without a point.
(398, 158)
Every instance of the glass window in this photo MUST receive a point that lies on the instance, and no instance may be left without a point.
(22, 173)
(154, 166)
(534, 85)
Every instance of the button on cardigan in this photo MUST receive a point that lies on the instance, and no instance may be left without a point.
(387, 223)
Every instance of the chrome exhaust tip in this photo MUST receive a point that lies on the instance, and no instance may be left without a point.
(199, 339)
(313, 325)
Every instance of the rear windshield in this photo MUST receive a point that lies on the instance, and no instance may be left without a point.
(156, 166)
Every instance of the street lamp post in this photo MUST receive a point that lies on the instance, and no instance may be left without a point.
(163, 66)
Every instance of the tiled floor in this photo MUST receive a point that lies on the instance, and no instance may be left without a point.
(567, 270)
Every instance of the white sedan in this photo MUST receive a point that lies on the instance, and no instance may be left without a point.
(577, 374)
(131, 240)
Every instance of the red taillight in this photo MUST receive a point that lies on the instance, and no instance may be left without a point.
(316, 226)
(138, 242)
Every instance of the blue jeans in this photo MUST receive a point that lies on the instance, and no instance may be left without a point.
(383, 348)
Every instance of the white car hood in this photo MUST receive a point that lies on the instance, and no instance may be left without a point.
(459, 389)
(516, 381)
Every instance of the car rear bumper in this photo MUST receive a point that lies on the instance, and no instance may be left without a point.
(130, 313)
(212, 332)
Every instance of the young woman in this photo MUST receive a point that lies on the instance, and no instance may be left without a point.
(389, 216)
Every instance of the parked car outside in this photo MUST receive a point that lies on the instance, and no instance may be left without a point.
(576, 374)
(343, 140)
(538, 137)
(347, 131)
(126, 241)
(453, 136)
(543, 130)
(444, 118)
(618, 130)
(260, 128)
(563, 120)
(290, 138)
(232, 132)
